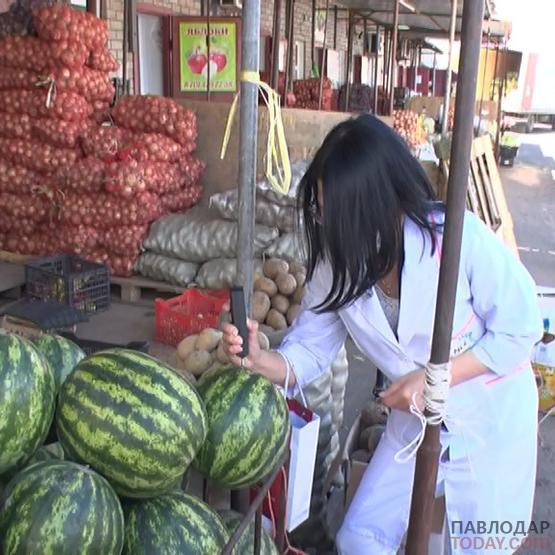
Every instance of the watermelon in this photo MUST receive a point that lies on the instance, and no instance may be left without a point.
(248, 427)
(133, 419)
(245, 545)
(173, 523)
(61, 353)
(61, 508)
(27, 401)
(51, 452)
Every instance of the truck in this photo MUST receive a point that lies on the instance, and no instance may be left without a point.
(533, 100)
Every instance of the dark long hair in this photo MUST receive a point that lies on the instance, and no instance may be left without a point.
(370, 180)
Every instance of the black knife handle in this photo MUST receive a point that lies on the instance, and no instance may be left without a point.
(239, 317)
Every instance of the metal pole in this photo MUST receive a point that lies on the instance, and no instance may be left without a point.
(434, 75)
(124, 90)
(275, 45)
(385, 75)
(248, 148)
(427, 459)
(349, 60)
(447, 100)
(324, 53)
(335, 27)
(290, 7)
(376, 63)
(313, 36)
(394, 57)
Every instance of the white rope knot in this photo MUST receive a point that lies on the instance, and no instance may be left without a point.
(436, 390)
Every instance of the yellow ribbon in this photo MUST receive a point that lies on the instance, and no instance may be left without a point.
(278, 165)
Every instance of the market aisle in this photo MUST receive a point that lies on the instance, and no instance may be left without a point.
(530, 190)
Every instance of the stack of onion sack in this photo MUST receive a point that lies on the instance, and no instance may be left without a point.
(132, 174)
(307, 93)
(50, 86)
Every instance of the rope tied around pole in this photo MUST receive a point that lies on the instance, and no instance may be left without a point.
(278, 164)
(436, 391)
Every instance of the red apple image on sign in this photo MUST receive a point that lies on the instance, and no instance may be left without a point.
(220, 59)
(197, 62)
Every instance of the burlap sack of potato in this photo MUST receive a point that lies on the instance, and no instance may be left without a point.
(166, 268)
(200, 236)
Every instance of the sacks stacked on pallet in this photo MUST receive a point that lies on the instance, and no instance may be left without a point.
(307, 93)
(200, 241)
(360, 97)
(68, 184)
(200, 246)
(132, 173)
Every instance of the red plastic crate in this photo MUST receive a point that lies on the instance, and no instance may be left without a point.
(187, 314)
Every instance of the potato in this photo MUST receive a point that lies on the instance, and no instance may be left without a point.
(266, 285)
(276, 320)
(275, 266)
(298, 295)
(260, 305)
(295, 267)
(280, 303)
(187, 346)
(221, 355)
(263, 341)
(300, 278)
(198, 362)
(266, 330)
(208, 340)
(286, 284)
(294, 309)
(374, 413)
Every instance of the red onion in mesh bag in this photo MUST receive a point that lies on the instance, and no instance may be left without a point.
(103, 142)
(38, 103)
(87, 175)
(102, 59)
(60, 22)
(150, 147)
(181, 200)
(58, 132)
(156, 114)
(20, 180)
(124, 240)
(15, 126)
(36, 156)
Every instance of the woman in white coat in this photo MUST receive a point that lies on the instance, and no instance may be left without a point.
(374, 236)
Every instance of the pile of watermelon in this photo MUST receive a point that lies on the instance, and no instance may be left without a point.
(94, 450)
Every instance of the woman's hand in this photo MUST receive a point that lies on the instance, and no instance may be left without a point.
(399, 395)
(233, 343)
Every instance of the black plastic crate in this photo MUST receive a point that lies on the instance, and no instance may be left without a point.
(90, 346)
(69, 280)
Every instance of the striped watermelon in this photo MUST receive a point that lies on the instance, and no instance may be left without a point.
(133, 419)
(245, 545)
(61, 353)
(248, 427)
(174, 523)
(51, 452)
(27, 401)
(61, 508)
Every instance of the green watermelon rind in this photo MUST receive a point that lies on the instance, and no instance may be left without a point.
(27, 401)
(248, 427)
(133, 419)
(61, 508)
(173, 523)
(62, 354)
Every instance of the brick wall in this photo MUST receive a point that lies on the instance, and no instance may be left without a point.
(113, 10)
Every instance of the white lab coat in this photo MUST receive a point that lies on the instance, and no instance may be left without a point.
(492, 419)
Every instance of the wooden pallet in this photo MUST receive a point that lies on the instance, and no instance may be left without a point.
(14, 258)
(132, 287)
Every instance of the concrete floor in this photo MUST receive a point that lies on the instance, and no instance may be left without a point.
(530, 190)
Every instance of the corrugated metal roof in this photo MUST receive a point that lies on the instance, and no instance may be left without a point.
(416, 17)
